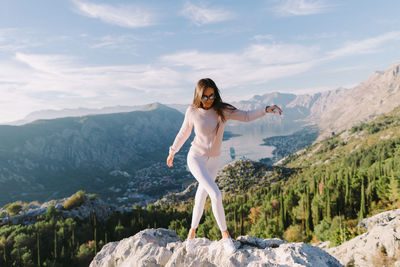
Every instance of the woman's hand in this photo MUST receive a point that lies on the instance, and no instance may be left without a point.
(170, 159)
(270, 109)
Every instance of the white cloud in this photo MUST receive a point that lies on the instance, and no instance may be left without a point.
(35, 81)
(201, 15)
(66, 75)
(53, 64)
(58, 81)
(280, 53)
(129, 16)
(257, 64)
(260, 37)
(316, 36)
(348, 68)
(40, 81)
(14, 39)
(366, 46)
(301, 7)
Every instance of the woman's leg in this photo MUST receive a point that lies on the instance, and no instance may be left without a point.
(213, 169)
(199, 201)
(202, 169)
(201, 194)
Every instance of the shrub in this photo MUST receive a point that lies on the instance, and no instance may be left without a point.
(373, 129)
(339, 235)
(14, 208)
(75, 200)
(85, 253)
(293, 234)
(322, 231)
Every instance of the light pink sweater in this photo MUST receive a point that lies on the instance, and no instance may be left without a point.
(205, 142)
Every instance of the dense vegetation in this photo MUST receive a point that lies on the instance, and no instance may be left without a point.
(317, 195)
(57, 241)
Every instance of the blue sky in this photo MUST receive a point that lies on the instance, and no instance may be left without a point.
(78, 53)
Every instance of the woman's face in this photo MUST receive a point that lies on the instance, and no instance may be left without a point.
(208, 92)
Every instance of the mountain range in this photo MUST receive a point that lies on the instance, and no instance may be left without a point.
(49, 158)
(331, 111)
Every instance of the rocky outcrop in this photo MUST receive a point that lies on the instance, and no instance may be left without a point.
(163, 247)
(184, 196)
(379, 246)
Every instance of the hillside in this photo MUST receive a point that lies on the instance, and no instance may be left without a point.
(253, 175)
(47, 159)
(357, 139)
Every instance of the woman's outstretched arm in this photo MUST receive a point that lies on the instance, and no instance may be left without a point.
(250, 115)
(182, 136)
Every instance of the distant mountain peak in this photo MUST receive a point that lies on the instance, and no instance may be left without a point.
(153, 106)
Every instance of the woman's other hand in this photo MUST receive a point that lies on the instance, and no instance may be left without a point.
(271, 109)
(170, 159)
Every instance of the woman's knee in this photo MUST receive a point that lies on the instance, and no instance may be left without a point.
(200, 196)
(216, 195)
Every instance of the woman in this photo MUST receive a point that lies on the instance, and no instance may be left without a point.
(208, 115)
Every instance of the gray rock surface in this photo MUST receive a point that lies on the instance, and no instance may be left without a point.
(379, 246)
(163, 247)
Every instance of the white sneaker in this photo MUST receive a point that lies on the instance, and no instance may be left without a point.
(189, 245)
(228, 245)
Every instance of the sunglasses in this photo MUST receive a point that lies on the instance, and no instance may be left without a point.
(205, 98)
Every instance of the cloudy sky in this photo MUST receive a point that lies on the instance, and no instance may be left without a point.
(81, 53)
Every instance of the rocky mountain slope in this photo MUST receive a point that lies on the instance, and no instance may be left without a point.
(163, 247)
(333, 110)
(379, 246)
(378, 94)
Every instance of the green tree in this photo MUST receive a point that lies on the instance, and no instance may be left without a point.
(309, 223)
(363, 211)
(38, 248)
(394, 189)
(328, 205)
(3, 246)
(282, 221)
(51, 213)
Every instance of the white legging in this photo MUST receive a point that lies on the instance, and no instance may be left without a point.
(205, 169)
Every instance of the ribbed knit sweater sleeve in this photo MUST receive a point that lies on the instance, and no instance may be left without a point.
(246, 116)
(183, 133)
